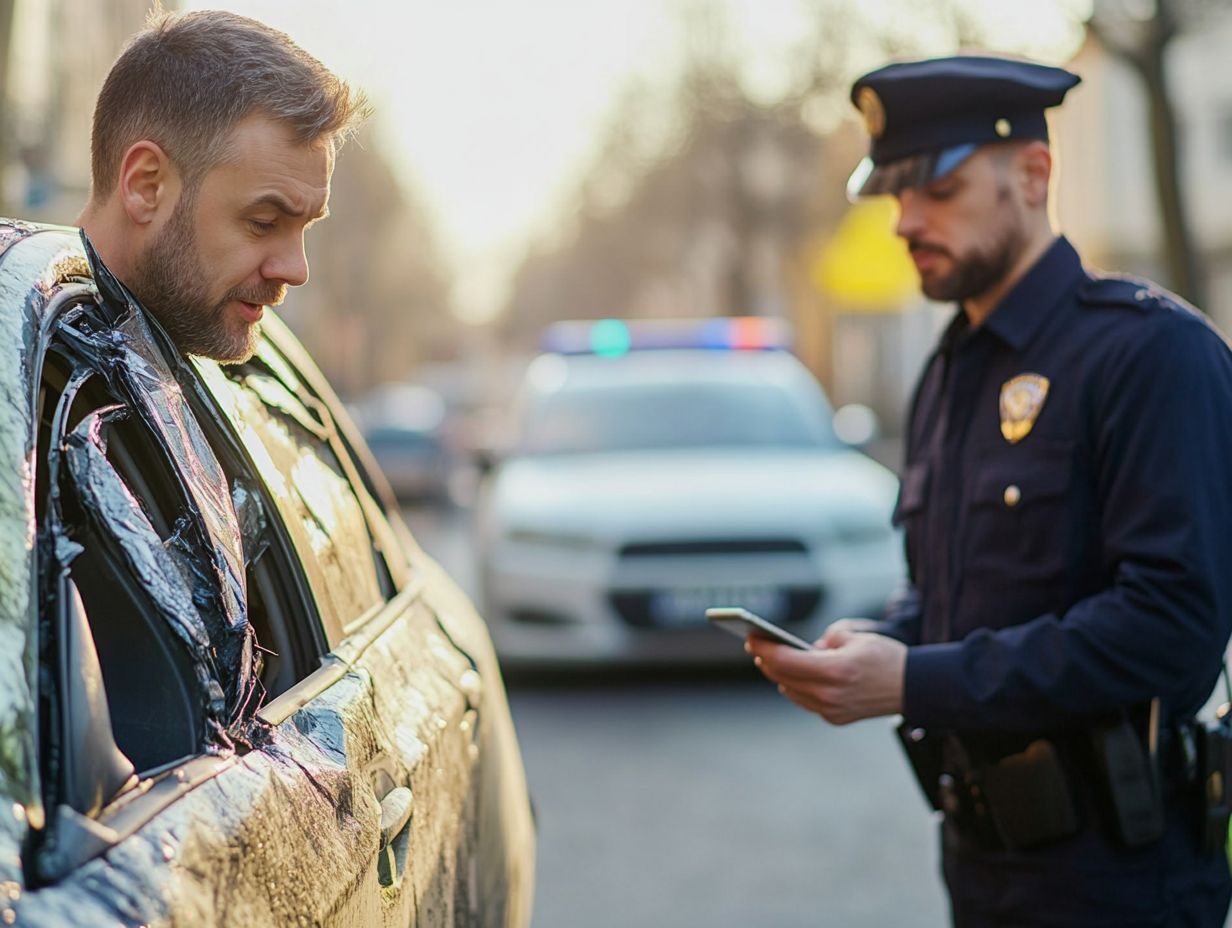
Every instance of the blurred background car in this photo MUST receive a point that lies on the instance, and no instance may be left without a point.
(661, 468)
(404, 427)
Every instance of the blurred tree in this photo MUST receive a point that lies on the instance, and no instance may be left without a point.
(1139, 33)
(379, 303)
(692, 206)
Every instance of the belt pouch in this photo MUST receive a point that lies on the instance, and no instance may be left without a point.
(1214, 767)
(1129, 783)
(924, 753)
(1029, 796)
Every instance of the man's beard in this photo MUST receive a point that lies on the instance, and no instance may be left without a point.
(174, 287)
(978, 271)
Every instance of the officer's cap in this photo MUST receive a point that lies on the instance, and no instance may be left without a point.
(926, 117)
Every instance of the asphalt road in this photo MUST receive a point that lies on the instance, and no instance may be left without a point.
(710, 801)
(714, 803)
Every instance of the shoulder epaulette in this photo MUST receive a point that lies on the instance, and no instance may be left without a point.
(1132, 292)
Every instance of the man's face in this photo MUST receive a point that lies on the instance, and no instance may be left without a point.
(966, 230)
(235, 243)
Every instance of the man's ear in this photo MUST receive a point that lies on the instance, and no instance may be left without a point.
(1034, 164)
(149, 184)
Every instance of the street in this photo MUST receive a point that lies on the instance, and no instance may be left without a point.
(708, 800)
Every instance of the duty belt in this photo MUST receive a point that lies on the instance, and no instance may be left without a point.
(1028, 791)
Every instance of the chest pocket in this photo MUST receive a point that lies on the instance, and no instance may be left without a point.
(1020, 515)
(911, 493)
(908, 511)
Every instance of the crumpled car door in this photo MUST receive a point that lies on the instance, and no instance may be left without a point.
(426, 691)
(257, 823)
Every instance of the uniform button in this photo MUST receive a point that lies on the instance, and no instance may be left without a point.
(1012, 495)
(1141, 295)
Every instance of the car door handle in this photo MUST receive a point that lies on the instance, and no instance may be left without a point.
(396, 810)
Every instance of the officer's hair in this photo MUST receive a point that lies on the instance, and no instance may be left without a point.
(186, 80)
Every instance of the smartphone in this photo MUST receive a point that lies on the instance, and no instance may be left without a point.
(742, 623)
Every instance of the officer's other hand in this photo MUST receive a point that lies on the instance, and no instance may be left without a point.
(837, 631)
(857, 675)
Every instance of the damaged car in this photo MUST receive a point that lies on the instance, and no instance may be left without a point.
(234, 691)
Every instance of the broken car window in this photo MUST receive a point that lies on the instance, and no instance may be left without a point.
(137, 512)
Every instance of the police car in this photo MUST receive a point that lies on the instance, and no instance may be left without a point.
(661, 468)
(234, 691)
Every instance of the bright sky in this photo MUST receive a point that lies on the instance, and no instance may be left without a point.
(489, 108)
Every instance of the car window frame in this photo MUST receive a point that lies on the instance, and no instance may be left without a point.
(374, 499)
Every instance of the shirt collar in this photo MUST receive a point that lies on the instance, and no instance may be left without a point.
(1023, 310)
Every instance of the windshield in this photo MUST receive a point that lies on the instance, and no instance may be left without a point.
(635, 417)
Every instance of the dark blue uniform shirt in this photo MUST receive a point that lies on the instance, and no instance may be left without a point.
(1088, 566)
(1084, 568)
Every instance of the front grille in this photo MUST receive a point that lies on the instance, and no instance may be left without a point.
(634, 607)
(716, 546)
(539, 617)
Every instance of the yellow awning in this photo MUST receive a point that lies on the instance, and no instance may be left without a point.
(865, 267)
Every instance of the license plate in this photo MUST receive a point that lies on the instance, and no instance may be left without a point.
(687, 606)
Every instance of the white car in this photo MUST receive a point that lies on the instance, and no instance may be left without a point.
(644, 488)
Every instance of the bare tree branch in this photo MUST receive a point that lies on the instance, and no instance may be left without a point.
(1143, 45)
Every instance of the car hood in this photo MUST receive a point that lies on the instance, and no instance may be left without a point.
(692, 493)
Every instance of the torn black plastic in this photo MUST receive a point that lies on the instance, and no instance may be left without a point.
(165, 577)
(254, 524)
(117, 339)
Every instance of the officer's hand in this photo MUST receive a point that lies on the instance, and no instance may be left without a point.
(856, 676)
(839, 630)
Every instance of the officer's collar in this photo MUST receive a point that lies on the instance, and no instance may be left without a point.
(1023, 310)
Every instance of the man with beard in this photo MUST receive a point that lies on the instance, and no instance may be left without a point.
(1067, 531)
(212, 151)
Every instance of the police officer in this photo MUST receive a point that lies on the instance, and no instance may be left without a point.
(1068, 523)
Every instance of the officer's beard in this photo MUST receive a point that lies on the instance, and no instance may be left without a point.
(982, 268)
(173, 286)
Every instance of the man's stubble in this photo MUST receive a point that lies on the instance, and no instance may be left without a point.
(981, 269)
(172, 283)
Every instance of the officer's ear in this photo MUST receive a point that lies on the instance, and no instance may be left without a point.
(1032, 171)
(149, 184)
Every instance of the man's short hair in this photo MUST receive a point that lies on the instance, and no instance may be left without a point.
(186, 80)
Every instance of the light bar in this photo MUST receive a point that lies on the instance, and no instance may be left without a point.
(616, 337)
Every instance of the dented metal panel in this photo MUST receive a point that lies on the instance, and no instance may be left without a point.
(323, 517)
(289, 833)
(284, 835)
(504, 855)
(280, 348)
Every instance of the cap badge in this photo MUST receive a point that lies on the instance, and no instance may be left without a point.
(873, 110)
(1022, 398)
